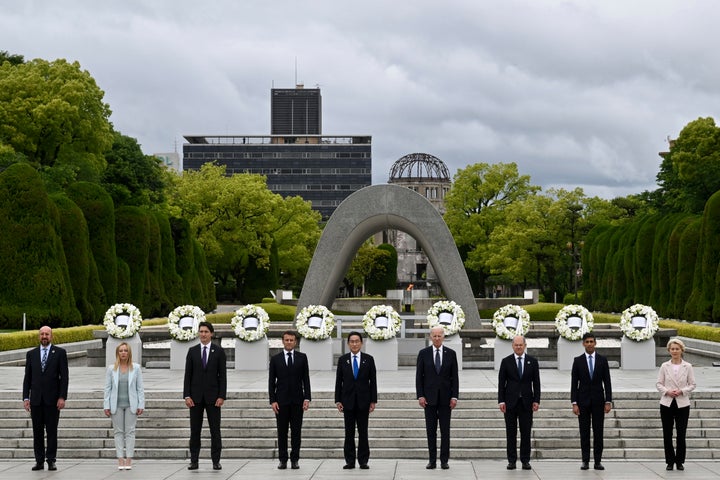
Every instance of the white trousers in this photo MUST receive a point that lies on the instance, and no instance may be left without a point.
(124, 420)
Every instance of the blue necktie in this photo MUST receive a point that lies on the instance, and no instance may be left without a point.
(438, 363)
(355, 366)
(43, 360)
(590, 365)
(520, 366)
(204, 357)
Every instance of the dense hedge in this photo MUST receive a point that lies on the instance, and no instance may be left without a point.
(32, 261)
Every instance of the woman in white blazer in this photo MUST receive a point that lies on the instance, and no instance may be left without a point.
(124, 401)
(675, 382)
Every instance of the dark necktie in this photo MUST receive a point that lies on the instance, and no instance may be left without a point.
(43, 360)
(438, 362)
(204, 357)
(289, 362)
(590, 365)
(355, 366)
(520, 366)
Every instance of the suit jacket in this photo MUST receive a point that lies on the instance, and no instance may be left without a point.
(209, 383)
(683, 380)
(512, 388)
(44, 388)
(136, 390)
(360, 392)
(585, 390)
(289, 385)
(437, 389)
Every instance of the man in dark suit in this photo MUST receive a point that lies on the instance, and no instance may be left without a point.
(591, 396)
(45, 388)
(518, 398)
(205, 390)
(289, 389)
(436, 385)
(356, 397)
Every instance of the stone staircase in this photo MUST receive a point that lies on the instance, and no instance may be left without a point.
(632, 429)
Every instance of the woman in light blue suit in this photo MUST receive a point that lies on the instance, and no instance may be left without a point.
(124, 401)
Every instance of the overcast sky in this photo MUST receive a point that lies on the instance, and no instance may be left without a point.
(577, 93)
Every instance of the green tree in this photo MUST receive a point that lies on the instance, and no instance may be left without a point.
(13, 59)
(369, 261)
(476, 204)
(380, 283)
(54, 115)
(690, 172)
(131, 177)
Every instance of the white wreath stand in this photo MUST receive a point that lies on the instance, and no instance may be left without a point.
(502, 349)
(455, 342)
(637, 355)
(111, 344)
(385, 353)
(251, 356)
(319, 352)
(178, 352)
(567, 350)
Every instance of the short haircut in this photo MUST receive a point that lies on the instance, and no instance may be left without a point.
(677, 342)
(291, 333)
(587, 335)
(354, 333)
(208, 325)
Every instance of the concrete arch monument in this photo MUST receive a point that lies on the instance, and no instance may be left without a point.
(369, 211)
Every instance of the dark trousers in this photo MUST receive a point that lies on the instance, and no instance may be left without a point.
(289, 416)
(196, 421)
(435, 414)
(45, 420)
(357, 417)
(593, 415)
(512, 416)
(678, 416)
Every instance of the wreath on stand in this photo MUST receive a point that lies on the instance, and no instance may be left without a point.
(510, 321)
(574, 321)
(639, 322)
(250, 323)
(315, 322)
(122, 320)
(448, 315)
(382, 322)
(184, 321)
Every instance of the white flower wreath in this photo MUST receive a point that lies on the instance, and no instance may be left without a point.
(382, 322)
(250, 323)
(636, 328)
(315, 322)
(448, 315)
(183, 322)
(503, 324)
(574, 321)
(122, 320)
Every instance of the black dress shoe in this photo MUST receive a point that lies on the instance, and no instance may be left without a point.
(444, 466)
(585, 466)
(217, 466)
(294, 465)
(526, 466)
(364, 466)
(510, 466)
(599, 466)
(669, 466)
(431, 466)
(38, 466)
(193, 466)
(282, 466)
(348, 466)
(680, 466)
(51, 465)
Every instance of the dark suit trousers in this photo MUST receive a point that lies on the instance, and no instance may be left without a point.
(593, 415)
(289, 416)
(357, 417)
(45, 418)
(196, 421)
(519, 413)
(435, 414)
(679, 416)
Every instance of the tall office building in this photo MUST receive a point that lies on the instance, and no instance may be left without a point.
(323, 169)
